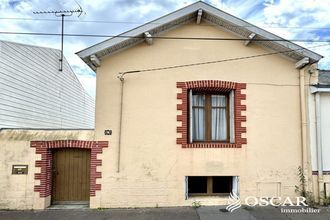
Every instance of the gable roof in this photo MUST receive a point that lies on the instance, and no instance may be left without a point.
(187, 15)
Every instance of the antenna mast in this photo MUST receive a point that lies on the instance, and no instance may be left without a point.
(62, 14)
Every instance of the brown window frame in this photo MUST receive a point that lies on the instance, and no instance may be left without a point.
(208, 117)
(237, 102)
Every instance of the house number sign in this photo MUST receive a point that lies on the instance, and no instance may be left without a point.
(20, 169)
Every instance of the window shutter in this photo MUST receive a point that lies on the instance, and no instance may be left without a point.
(236, 185)
(190, 117)
(186, 192)
(232, 116)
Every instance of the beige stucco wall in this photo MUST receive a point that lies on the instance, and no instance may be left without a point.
(17, 191)
(152, 166)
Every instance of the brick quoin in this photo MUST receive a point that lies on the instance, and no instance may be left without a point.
(44, 148)
(213, 86)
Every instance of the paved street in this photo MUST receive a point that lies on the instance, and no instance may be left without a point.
(178, 213)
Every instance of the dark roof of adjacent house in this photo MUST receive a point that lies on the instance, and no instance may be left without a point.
(324, 77)
(196, 11)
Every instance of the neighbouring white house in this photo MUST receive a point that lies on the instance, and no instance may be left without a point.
(319, 106)
(35, 94)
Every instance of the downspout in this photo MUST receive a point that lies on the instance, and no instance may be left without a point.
(303, 125)
(121, 78)
(319, 147)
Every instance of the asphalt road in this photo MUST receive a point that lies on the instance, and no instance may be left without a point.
(177, 213)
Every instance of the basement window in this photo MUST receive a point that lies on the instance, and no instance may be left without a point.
(211, 185)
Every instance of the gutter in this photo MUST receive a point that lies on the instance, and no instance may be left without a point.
(303, 114)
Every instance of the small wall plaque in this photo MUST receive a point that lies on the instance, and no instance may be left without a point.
(107, 132)
(20, 169)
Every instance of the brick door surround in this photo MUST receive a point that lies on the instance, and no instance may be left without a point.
(44, 148)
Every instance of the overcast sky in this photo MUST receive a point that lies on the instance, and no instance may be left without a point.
(307, 19)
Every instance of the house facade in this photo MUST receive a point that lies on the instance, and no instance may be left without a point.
(194, 120)
(190, 107)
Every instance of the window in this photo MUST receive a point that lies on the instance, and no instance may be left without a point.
(210, 117)
(211, 114)
(211, 185)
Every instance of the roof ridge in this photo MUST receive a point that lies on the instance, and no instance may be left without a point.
(29, 45)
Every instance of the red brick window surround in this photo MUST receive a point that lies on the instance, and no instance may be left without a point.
(214, 86)
(45, 175)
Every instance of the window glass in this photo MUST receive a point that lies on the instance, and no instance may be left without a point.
(219, 118)
(197, 184)
(198, 115)
(222, 184)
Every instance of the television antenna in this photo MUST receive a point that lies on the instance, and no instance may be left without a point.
(62, 14)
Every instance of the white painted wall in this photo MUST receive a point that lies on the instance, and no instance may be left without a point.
(312, 128)
(325, 130)
(35, 94)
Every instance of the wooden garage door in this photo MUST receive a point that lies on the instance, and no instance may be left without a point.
(71, 171)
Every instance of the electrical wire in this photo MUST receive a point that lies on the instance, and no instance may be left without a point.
(121, 75)
(164, 38)
(128, 22)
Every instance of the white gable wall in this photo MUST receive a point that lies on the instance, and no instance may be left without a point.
(34, 94)
(325, 129)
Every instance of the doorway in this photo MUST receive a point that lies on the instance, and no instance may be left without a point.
(71, 176)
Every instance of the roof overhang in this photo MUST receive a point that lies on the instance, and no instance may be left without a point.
(186, 15)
